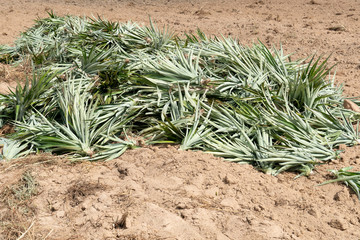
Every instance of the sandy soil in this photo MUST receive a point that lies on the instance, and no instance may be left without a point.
(164, 193)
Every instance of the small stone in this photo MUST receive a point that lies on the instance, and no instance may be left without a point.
(354, 221)
(229, 179)
(342, 195)
(310, 228)
(181, 206)
(338, 224)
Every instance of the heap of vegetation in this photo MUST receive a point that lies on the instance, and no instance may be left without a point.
(102, 87)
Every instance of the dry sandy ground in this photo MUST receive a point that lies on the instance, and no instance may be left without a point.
(164, 193)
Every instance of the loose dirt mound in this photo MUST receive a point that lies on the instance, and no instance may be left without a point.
(163, 193)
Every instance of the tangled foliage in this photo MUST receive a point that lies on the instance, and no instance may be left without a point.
(100, 86)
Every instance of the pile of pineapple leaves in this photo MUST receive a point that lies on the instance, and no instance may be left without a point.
(100, 87)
